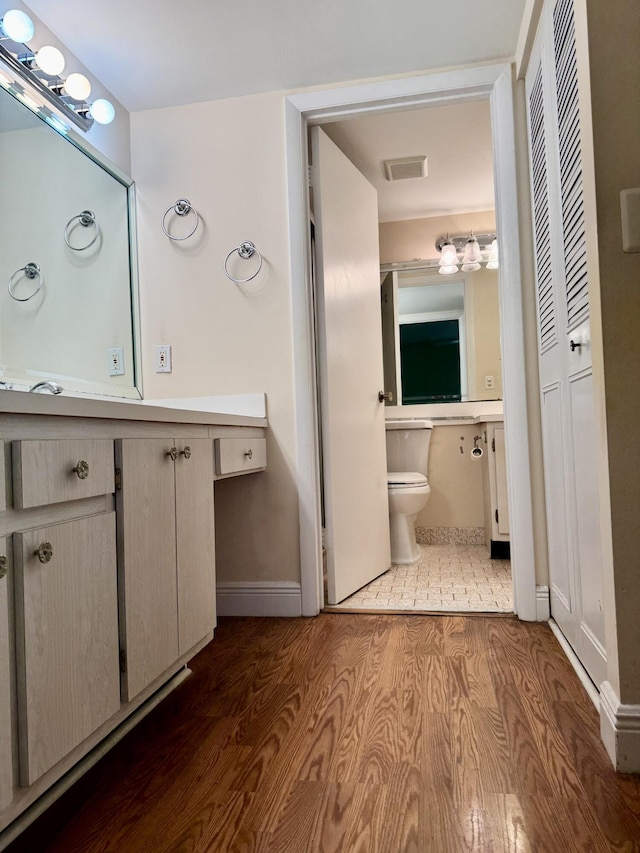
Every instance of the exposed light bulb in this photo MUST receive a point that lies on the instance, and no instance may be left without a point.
(472, 253)
(50, 60)
(493, 263)
(449, 256)
(77, 86)
(102, 111)
(17, 26)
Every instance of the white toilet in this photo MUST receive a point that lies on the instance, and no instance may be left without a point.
(407, 460)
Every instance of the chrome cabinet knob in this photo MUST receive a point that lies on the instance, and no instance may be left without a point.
(44, 552)
(249, 454)
(82, 469)
(186, 452)
(173, 453)
(4, 566)
(385, 395)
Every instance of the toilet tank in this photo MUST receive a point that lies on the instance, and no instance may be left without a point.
(408, 445)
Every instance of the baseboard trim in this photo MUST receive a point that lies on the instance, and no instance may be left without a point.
(574, 660)
(620, 730)
(543, 604)
(259, 598)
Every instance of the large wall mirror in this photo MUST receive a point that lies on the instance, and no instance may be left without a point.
(68, 309)
(441, 337)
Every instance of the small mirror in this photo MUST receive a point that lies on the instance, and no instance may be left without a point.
(66, 290)
(441, 337)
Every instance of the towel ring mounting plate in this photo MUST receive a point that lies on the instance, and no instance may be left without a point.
(182, 207)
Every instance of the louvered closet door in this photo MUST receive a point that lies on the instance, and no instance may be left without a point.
(564, 352)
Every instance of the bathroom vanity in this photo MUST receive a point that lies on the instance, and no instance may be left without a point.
(107, 574)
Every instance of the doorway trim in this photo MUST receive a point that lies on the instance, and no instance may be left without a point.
(492, 82)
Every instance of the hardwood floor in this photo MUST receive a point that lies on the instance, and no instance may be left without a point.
(360, 733)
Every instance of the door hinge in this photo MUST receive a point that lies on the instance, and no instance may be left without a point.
(118, 480)
(493, 444)
(123, 660)
(496, 516)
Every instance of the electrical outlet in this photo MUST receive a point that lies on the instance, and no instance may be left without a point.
(163, 358)
(116, 361)
(488, 382)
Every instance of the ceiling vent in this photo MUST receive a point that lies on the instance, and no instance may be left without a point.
(405, 167)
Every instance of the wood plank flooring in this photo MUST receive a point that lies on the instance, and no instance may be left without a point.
(360, 733)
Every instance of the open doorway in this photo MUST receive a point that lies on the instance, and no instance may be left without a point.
(441, 345)
(303, 110)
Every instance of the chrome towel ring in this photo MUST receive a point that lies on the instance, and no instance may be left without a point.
(245, 250)
(31, 271)
(88, 220)
(182, 207)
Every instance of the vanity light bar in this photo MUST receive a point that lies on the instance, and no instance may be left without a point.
(48, 92)
(460, 241)
(67, 95)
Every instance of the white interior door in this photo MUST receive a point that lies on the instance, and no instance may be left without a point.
(564, 358)
(351, 371)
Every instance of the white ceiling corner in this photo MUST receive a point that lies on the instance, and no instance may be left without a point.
(156, 53)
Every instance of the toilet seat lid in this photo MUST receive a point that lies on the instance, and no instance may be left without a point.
(406, 478)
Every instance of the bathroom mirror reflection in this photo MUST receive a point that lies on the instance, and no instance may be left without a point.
(67, 311)
(441, 337)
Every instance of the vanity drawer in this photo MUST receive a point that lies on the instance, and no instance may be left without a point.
(239, 455)
(47, 472)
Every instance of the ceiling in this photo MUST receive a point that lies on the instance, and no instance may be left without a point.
(157, 53)
(456, 141)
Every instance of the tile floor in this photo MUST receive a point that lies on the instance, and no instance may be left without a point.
(446, 578)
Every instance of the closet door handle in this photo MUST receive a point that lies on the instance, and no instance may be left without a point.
(385, 395)
(173, 453)
(186, 452)
(4, 566)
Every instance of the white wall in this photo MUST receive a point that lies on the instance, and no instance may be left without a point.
(614, 74)
(227, 158)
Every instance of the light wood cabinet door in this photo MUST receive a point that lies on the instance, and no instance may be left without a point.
(6, 740)
(66, 638)
(146, 561)
(195, 541)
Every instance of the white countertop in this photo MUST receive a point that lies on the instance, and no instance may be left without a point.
(450, 414)
(228, 410)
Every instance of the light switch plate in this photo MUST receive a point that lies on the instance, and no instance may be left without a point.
(630, 210)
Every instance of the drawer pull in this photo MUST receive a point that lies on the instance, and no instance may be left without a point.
(173, 453)
(249, 454)
(82, 469)
(44, 552)
(4, 566)
(186, 452)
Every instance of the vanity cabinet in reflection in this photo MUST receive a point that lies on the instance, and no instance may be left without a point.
(496, 496)
(66, 622)
(166, 553)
